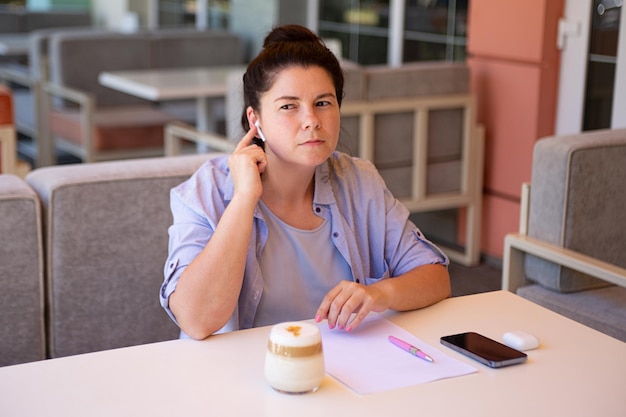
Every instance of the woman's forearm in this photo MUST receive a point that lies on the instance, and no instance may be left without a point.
(418, 288)
(208, 289)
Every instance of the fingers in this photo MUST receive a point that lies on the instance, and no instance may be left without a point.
(256, 153)
(324, 310)
(247, 139)
(246, 162)
(346, 305)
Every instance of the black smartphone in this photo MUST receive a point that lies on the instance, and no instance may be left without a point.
(483, 349)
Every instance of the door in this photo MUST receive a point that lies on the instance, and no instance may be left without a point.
(592, 86)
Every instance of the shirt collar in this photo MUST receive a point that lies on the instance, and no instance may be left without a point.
(323, 189)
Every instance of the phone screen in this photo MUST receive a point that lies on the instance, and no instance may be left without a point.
(483, 349)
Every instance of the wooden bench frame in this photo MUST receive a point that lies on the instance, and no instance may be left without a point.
(517, 245)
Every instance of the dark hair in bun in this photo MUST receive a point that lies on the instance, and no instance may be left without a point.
(285, 47)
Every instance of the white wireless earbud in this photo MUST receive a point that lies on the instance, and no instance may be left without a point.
(258, 129)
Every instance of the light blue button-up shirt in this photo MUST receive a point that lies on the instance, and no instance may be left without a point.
(369, 227)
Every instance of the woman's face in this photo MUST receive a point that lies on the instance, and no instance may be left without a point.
(300, 117)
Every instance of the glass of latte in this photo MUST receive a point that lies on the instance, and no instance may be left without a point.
(294, 361)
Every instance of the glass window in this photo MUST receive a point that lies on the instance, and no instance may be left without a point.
(12, 3)
(360, 25)
(433, 29)
(605, 22)
(179, 13)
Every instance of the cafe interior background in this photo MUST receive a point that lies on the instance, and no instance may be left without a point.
(531, 70)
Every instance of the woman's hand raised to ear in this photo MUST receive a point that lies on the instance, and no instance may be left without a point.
(246, 163)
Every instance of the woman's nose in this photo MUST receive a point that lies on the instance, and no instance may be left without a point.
(311, 121)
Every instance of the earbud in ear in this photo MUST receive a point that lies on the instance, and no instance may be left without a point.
(258, 129)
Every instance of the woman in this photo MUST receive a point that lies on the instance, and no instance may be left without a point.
(296, 230)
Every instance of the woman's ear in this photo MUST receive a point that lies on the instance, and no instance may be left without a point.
(251, 115)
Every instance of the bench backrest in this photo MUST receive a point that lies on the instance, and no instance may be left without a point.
(577, 201)
(77, 58)
(106, 238)
(22, 330)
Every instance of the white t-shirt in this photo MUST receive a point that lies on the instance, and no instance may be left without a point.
(299, 267)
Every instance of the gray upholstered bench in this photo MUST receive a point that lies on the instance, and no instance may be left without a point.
(575, 234)
(106, 239)
(22, 333)
(94, 122)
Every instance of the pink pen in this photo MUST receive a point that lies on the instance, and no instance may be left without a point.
(410, 348)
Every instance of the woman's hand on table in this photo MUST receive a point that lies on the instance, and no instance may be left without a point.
(348, 303)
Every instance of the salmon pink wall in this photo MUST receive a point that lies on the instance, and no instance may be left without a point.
(6, 106)
(506, 106)
(514, 63)
(6, 110)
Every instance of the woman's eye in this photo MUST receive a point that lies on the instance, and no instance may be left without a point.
(287, 106)
(323, 103)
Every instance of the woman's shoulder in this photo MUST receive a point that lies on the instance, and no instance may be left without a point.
(353, 177)
(352, 168)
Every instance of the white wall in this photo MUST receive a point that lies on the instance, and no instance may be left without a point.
(119, 14)
(108, 13)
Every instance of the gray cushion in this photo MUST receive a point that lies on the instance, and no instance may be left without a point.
(440, 177)
(52, 19)
(603, 309)
(38, 47)
(192, 48)
(77, 59)
(355, 81)
(417, 79)
(22, 20)
(577, 201)
(394, 150)
(21, 274)
(107, 233)
(10, 22)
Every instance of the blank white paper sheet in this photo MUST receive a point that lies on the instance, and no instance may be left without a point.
(365, 361)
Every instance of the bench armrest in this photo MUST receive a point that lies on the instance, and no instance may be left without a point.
(517, 245)
(18, 75)
(175, 132)
(86, 106)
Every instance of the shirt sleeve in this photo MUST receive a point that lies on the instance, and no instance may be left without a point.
(188, 235)
(381, 241)
(406, 246)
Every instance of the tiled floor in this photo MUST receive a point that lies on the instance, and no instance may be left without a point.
(472, 280)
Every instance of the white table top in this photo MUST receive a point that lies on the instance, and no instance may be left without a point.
(170, 84)
(14, 44)
(575, 372)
